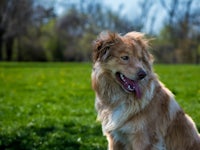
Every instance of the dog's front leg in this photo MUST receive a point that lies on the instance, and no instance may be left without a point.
(113, 144)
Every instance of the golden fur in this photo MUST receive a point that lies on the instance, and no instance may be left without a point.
(136, 110)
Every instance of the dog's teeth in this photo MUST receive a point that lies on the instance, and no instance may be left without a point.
(122, 77)
(131, 89)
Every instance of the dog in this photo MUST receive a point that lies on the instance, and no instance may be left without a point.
(136, 110)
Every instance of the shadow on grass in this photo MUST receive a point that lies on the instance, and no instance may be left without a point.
(70, 136)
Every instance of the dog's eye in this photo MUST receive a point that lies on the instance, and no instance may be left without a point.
(125, 58)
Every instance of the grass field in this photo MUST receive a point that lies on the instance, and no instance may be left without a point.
(51, 105)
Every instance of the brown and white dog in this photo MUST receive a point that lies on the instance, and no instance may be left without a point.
(136, 110)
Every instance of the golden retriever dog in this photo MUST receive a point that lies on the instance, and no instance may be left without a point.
(136, 110)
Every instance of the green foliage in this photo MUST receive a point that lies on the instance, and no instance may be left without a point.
(86, 48)
(51, 105)
(49, 40)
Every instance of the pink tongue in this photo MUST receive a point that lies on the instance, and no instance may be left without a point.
(132, 86)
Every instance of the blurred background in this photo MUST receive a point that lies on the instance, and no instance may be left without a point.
(63, 30)
(51, 105)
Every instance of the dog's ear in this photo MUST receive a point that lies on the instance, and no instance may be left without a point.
(100, 50)
(139, 38)
(102, 46)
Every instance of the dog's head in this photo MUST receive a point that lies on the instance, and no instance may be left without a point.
(126, 58)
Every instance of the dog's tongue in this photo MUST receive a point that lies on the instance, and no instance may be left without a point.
(130, 85)
(134, 87)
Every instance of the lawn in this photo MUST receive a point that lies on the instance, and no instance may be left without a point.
(51, 105)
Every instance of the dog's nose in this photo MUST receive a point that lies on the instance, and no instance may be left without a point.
(141, 74)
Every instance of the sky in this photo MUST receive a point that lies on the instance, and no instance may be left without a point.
(113, 4)
(126, 8)
(130, 7)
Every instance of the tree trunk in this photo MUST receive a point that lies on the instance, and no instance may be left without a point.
(9, 48)
(1, 49)
(19, 49)
(2, 31)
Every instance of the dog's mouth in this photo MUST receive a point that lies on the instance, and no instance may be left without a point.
(129, 85)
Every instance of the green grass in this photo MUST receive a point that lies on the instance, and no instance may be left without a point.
(51, 105)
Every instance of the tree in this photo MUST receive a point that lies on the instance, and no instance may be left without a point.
(18, 20)
(14, 22)
(80, 25)
(182, 30)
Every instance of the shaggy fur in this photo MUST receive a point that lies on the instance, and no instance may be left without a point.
(136, 110)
